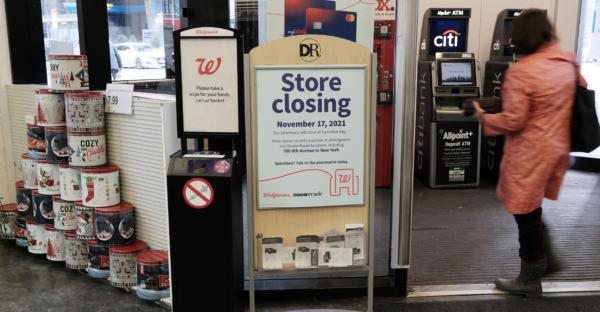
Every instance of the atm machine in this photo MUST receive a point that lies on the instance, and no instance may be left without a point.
(501, 57)
(447, 152)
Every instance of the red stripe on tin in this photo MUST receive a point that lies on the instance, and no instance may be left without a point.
(8, 208)
(153, 257)
(70, 234)
(122, 207)
(92, 242)
(86, 133)
(103, 169)
(46, 91)
(45, 161)
(84, 94)
(30, 221)
(134, 247)
(50, 227)
(67, 57)
(58, 199)
(56, 129)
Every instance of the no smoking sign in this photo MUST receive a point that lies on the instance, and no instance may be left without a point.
(198, 193)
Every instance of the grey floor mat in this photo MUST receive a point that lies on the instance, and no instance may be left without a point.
(465, 236)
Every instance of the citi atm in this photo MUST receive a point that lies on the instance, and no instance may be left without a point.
(447, 142)
(501, 57)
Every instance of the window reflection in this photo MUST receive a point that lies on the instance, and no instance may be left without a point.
(140, 38)
(61, 34)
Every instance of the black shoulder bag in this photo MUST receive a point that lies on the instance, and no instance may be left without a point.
(585, 130)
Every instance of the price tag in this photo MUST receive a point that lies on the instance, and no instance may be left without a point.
(119, 98)
(30, 120)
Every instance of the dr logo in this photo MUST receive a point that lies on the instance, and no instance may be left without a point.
(310, 50)
(448, 39)
(208, 68)
(344, 179)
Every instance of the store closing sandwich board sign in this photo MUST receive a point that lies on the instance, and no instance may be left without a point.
(208, 65)
(198, 193)
(311, 142)
(310, 129)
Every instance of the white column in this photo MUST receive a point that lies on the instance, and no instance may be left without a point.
(6, 180)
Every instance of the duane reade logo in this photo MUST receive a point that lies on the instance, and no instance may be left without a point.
(310, 50)
(461, 135)
(448, 39)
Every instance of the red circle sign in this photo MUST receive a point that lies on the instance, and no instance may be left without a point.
(198, 193)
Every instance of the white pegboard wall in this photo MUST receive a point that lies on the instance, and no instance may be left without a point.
(21, 102)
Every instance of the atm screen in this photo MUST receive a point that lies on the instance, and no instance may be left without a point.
(508, 49)
(457, 73)
(447, 35)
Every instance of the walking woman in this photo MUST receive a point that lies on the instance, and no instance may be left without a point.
(537, 99)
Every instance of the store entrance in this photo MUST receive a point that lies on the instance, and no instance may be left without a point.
(589, 53)
(464, 236)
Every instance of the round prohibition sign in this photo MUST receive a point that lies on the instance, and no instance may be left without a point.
(198, 193)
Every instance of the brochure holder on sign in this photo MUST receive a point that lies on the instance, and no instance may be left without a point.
(311, 142)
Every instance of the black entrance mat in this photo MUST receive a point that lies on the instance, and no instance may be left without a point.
(466, 237)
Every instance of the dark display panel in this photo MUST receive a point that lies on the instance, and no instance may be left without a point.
(456, 73)
(507, 47)
(448, 35)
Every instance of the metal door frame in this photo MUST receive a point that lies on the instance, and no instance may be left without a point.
(404, 138)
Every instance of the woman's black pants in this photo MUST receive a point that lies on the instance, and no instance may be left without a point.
(531, 235)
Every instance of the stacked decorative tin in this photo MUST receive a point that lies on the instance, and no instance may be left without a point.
(54, 202)
(69, 205)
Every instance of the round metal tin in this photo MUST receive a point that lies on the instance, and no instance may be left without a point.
(85, 222)
(70, 182)
(36, 237)
(50, 108)
(43, 210)
(29, 166)
(115, 226)
(87, 149)
(24, 200)
(153, 275)
(68, 72)
(56, 244)
(36, 141)
(8, 216)
(123, 264)
(85, 111)
(65, 216)
(57, 146)
(21, 232)
(98, 260)
(100, 186)
(75, 252)
(48, 177)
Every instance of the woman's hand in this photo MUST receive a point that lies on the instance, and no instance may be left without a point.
(478, 110)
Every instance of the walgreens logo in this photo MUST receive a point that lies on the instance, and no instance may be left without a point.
(208, 67)
(449, 38)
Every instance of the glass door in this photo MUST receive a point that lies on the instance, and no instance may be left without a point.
(589, 48)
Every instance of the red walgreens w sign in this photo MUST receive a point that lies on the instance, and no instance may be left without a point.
(206, 68)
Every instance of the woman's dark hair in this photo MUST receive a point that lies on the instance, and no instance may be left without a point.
(531, 30)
